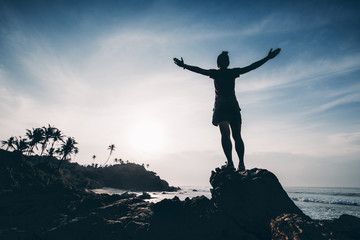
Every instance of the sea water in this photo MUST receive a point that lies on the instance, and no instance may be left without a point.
(326, 202)
(319, 203)
(182, 194)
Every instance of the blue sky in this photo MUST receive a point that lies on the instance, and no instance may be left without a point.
(103, 73)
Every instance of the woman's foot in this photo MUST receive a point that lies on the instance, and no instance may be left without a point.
(228, 166)
(241, 167)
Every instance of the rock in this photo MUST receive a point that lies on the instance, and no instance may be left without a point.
(190, 219)
(19, 172)
(294, 226)
(242, 207)
(251, 199)
(345, 227)
(145, 195)
(43, 203)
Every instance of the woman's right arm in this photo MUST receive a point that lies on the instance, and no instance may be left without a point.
(195, 69)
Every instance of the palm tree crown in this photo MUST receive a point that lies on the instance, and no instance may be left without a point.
(21, 145)
(35, 136)
(111, 148)
(56, 136)
(68, 148)
(48, 134)
(10, 143)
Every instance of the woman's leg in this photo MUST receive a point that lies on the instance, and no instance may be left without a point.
(226, 142)
(239, 143)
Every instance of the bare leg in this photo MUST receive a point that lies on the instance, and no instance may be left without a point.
(239, 143)
(226, 142)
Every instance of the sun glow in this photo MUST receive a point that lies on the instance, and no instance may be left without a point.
(148, 136)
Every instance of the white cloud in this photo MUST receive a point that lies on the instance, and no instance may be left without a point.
(299, 73)
(346, 142)
(351, 98)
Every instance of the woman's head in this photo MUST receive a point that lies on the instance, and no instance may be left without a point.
(223, 60)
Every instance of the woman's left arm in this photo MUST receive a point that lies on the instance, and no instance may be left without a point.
(257, 64)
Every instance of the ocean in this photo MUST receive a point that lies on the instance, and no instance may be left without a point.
(319, 203)
(326, 202)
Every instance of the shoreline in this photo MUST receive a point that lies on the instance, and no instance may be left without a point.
(316, 210)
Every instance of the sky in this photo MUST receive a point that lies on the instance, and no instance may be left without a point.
(102, 72)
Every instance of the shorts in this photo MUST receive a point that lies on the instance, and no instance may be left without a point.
(226, 111)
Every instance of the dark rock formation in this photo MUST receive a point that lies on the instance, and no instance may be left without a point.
(30, 172)
(251, 199)
(43, 203)
(69, 214)
(293, 226)
(189, 219)
(244, 205)
(131, 176)
(346, 227)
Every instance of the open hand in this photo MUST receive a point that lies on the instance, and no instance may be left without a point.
(178, 62)
(274, 53)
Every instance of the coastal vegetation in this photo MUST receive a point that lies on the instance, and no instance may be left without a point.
(38, 141)
(43, 159)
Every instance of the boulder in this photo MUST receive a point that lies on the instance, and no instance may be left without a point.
(251, 199)
(345, 227)
(294, 226)
(242, 207)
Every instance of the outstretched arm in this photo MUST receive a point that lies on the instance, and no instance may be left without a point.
(181, 63)
(257, 64)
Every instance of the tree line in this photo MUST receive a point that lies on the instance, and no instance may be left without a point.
(50, 141)
(43, 141)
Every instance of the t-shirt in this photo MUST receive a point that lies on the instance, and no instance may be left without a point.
(224, 82)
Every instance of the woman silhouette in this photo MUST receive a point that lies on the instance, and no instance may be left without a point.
(226, 113)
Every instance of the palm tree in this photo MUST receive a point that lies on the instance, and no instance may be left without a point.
(48, 133)
(111, 148)
(35, 136)
(67, 148)
(10, 143)
(93, 158)
(76, 151)
(21, 145)
(51, 152)
(56, 136)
